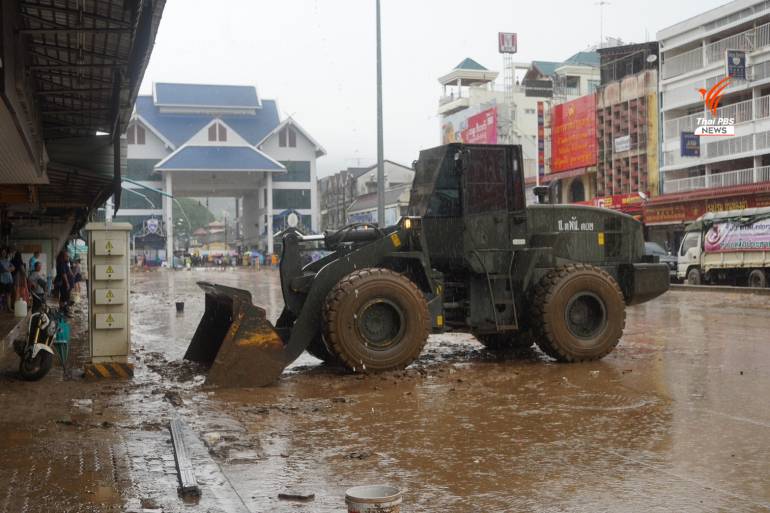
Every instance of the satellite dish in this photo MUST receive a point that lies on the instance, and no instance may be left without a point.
(652, 58)
(292, 220)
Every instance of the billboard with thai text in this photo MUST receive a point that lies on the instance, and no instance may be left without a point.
(573, 134)
(722, 237)
(477, 125)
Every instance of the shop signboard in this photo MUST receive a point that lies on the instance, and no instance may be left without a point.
(688, 211)
(622, 143)
(689, 145)
(622, 202)
(507, 42)
(735, 64)
(573, 134)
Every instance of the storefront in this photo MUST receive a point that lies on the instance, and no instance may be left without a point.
(666, 217)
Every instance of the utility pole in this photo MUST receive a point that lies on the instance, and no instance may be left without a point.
(601, 4)
(380, 152)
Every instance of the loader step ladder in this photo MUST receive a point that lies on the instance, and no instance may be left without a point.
(492, 279)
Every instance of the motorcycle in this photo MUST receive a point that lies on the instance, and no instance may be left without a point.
(37, 350)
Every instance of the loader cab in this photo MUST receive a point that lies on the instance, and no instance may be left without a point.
(471, 198)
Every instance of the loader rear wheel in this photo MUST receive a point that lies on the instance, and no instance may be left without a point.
(579, 313)
(375, 320)
(500, 342)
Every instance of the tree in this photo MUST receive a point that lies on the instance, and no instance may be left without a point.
(198, 215)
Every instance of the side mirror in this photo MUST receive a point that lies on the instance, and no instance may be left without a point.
(543, 193)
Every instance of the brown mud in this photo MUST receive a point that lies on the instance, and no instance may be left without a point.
(677, 418)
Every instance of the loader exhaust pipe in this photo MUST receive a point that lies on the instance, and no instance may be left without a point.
(235, 339)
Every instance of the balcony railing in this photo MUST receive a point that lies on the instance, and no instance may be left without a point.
(749, 40)
(682, 63)
(718, 180)
(746, 41)
(742, 112)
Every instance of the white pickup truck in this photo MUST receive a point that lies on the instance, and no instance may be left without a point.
(731, 247)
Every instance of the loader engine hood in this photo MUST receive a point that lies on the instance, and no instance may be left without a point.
(586, 234)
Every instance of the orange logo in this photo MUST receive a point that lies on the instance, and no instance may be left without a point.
(712, 96)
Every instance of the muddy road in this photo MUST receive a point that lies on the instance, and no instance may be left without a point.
(677, 418)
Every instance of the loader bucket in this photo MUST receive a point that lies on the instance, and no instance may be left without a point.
(236, 340)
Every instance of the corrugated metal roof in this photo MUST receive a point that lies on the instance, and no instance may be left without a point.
(82, 67)
(178, 128)
(219, 158)
(200, 95)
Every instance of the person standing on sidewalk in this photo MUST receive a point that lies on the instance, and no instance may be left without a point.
(35, 258)
(64, 280)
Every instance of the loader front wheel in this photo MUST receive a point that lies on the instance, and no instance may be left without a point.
(376, 320)
(579, 313)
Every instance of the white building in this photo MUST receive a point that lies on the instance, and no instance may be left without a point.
(470, 89)
(193, 140)
(694, 58)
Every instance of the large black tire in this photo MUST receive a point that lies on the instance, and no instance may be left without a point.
(318, 349)
(758, 278)
(501, 342)
(375, 320)
(578, 313)
(33, 369)
(694, 276)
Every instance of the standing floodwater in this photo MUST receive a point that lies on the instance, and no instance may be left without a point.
(671, 421)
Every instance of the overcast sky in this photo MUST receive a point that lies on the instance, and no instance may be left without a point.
(317, 57)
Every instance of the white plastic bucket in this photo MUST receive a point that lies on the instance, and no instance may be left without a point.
(20, 308)
(373, 499)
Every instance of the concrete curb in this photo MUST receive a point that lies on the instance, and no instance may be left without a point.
(722, 288)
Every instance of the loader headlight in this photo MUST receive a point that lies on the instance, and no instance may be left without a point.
(407, 223)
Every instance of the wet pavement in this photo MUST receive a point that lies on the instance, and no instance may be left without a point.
(677, 418)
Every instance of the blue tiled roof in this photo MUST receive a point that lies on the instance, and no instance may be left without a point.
(178, 128)
(196, 95)
(212, 158)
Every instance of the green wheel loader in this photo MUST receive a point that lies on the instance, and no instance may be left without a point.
(470, 256)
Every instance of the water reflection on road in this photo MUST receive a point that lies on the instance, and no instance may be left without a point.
(675, 419)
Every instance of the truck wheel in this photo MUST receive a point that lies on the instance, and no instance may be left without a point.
(499, 342)
(757, 278)
(694, 277)
(578, 313)
(375, 320)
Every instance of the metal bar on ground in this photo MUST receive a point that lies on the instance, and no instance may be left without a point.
(188, 485)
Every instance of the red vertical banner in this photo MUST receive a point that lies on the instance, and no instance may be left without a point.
(573, 134)
(540, 138)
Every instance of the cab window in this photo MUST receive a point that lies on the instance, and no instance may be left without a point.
(690, 241)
